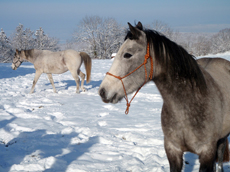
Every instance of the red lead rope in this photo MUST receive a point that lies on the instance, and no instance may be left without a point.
(146, 77)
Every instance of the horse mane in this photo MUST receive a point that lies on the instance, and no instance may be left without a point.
(29, 53)
(174, 59)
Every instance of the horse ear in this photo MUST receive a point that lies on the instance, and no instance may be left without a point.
(17, 51)
(139, 26)
(135, 31)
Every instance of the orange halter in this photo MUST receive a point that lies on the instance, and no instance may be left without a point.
(146, 77)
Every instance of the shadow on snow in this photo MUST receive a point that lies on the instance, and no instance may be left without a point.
(72, 83)
(7, 72)
(40, 145)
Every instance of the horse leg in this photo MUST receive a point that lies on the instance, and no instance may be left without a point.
(36, 77)
(82, 75)
(221, 148)
(207, 159)
(175, 157)
(77, 80)
(52, 81)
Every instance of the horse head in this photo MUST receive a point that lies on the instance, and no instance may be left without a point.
(123, 78)
(19, 57)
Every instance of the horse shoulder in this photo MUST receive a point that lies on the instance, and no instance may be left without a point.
(42, 59)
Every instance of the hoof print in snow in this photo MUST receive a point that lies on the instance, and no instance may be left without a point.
(186, 162)
(9, 144)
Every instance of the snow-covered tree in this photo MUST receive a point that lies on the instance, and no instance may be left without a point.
(221, 41)
(25, 39)
(102, 36)
(22, 39)
(164, 29)
(6, 52)
(202, 46)
(110, 38)
(44, 42)
(86, 32)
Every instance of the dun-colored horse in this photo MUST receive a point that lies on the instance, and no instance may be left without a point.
(55, 63)
(195, 115)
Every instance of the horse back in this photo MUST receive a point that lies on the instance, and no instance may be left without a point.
(218, 68)
(50, 62)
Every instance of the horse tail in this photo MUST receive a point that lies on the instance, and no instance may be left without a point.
(88, 64)
(226, 152)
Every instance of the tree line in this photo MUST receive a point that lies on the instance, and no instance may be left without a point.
(100, 37)
(25, 39)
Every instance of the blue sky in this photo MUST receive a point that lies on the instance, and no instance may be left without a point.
(59, 18)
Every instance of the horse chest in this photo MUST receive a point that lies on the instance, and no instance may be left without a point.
(185, 123)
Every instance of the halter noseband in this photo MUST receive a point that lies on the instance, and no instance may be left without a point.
(147, 55)
(18, 60)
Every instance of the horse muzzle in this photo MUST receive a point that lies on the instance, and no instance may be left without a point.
(13, 67)
(106, 99)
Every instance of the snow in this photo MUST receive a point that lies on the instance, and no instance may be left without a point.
(113, 55)
(65, 131)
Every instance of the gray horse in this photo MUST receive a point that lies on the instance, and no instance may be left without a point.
(49, 62)
(195, 115)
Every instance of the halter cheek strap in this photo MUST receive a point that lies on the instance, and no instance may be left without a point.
(18, 60)
(147, 56)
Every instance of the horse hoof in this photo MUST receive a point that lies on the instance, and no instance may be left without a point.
(84, 90)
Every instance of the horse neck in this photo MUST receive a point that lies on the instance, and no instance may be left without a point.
(31, 55)
(177, 91)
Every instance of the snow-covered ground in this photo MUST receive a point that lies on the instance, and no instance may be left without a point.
(65, 131)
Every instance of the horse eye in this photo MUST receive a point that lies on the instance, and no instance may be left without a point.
(127, 55)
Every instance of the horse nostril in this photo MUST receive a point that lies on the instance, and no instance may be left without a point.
(102, 93)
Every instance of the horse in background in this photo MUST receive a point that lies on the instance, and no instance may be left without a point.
(195, 115)
(49, 62)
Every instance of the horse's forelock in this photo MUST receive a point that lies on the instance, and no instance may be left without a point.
(129, 35)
